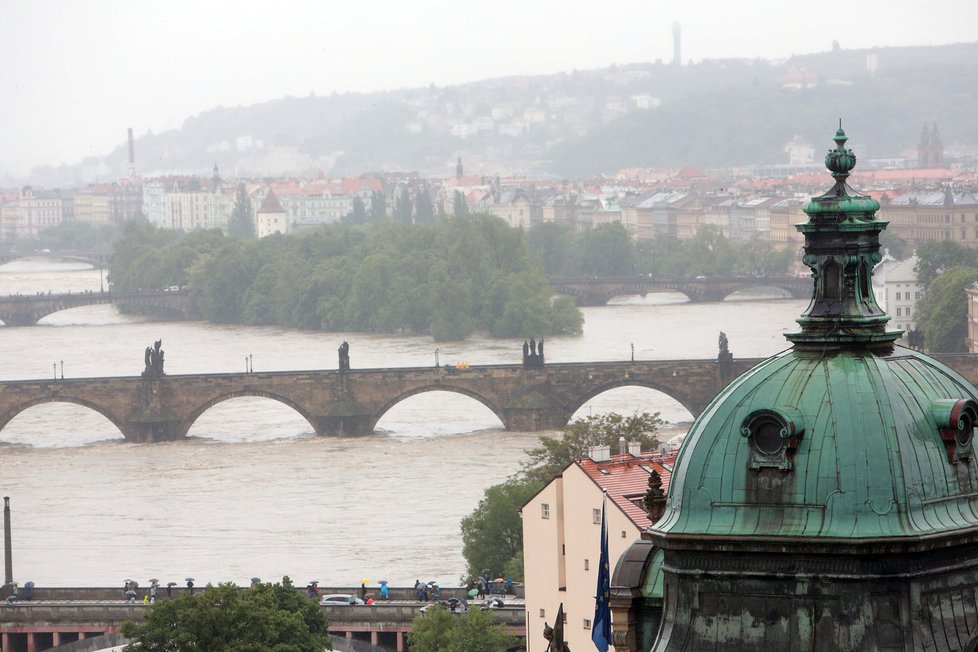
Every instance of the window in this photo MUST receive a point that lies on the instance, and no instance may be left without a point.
(596, 516)
(587, 624)
(624, 535)
(897, 296)
(899, 312)
(543, 613)
(587, 565)
(544, 510)
(907, 312)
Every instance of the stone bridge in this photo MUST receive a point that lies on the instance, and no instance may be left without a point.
(598, 291)
(93, 258)
(28, 309)
(352, 402)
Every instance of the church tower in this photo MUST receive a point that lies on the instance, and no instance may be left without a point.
(827, 499)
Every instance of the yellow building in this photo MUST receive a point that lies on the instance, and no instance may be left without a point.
(561, 536)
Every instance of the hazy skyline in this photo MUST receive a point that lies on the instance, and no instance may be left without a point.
(77, 74)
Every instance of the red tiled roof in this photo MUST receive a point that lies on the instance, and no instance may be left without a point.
(271, 204)
(625, 477)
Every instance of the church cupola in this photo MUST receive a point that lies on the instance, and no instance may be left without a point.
(842, 246)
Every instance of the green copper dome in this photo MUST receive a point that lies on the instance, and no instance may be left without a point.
(844, 446)
(844, 437)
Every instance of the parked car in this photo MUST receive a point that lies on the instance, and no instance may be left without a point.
(339, 599)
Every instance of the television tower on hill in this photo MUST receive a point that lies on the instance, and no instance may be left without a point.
(677, 48)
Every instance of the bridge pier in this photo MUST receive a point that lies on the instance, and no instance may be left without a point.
(149, 431)
(344, 425)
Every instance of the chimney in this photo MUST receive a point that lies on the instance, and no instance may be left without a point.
(635, 448)
(622, 446)
(600, 453)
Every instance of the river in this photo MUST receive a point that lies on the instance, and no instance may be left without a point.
(253, 492)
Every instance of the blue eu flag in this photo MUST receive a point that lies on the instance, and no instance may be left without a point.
(601, 629)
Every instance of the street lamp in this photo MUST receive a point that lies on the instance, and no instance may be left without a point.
(633, 351)
(436, 358)
(101, 287)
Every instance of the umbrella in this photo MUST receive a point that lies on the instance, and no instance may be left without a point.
(473, 592)
(154, 581)
(366, 581)
(382, 582)
(171, 583)
(499, 579)
(188, 579)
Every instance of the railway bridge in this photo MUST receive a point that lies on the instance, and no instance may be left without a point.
(351, 402)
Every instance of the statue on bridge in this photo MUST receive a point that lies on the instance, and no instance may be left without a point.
(533, 354)
(344, 352)
(725, 358)
(153, 360)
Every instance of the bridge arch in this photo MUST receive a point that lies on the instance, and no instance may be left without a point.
(187, 423)
(20, 408)
(690, 403)
(436, 387)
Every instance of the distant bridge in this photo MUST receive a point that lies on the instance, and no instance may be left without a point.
(352, 402)
(598, 291)
(28, 309)
(93, 258)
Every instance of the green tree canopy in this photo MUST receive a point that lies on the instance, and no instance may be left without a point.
(943, 312)
(936, 256)
(242, 222)
(450, 279)
(261, 618)
(437, 630)
(555, 454)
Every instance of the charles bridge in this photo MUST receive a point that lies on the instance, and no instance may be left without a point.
(595, 291)
(152, 408)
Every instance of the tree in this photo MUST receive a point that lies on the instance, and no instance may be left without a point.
(424, 211)
(606, 250)
(459, 207)
(242, 222)
(228, 619)
(403, 209)
(378, 207)
(943, 312)
(554, 455)
(492, 535)
(437, 630)
(359, 213)
(936, 256)
(431, 630)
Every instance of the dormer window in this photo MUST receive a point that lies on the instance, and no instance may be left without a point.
(956, 421)
(773, 437)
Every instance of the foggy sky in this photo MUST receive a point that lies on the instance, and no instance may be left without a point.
(75, 74)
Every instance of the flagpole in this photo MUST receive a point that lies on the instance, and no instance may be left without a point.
(601, 627)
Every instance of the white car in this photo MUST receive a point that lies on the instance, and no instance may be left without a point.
(339, 599)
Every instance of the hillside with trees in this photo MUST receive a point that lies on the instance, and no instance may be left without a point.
(711, 113)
